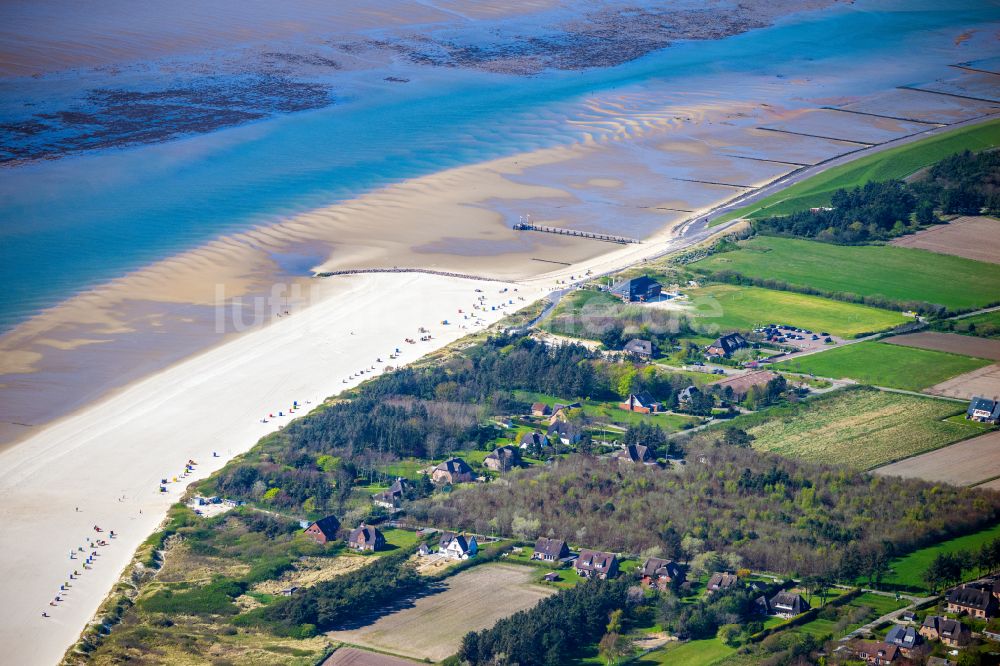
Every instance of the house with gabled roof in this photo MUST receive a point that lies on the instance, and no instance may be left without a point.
(323, 530)
(458, 546)
(950, 632)
(534, 439)
(788, 604)
(565, 432)
(540, 409)
(393, 497)
(596, 564)
(453, 470)
(643, 348)
(876, 653)
(642, 288)
(636, 453)
(659, 573)
(366, 538)
(641, 402)
(550, 550)
(973, 601)
(721, 580)
(727, 344)
(503, 459)
(983, 410)
(905, 638)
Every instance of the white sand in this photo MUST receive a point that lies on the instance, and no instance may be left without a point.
(212, 402)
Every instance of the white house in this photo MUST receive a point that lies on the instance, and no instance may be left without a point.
(458, 547)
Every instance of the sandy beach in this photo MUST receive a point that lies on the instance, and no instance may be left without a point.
(122, 447)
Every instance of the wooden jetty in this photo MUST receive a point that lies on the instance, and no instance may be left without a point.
(607, 238)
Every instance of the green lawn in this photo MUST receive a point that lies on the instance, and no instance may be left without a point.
(863, 428)
(886, 165)
(883, 364)
(735, 307)
(400, 538)
(986, 325)
(899, 274)
(692, 653)
(908, 571)
(609, 412)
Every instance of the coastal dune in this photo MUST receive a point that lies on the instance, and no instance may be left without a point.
(108, 460)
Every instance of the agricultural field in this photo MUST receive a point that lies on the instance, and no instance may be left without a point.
(907, 572)
(866, 270)
(951, 343)
(885, 165)
(963, 464)
(882, 364)
(432, 626)
(734, 307)
(863, 428)
(970, 237)
(349, 656)
(984, 381)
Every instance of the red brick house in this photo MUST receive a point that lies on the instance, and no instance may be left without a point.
(597, 564)
(642, 403)
(366, 538)
(876, 653)
(324, 530)
(660, 573)
(973, 601)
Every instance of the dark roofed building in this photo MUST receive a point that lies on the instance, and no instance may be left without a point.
(726, 345)
(392, 497)
(788, 604)
(366, 537)
(974, 601)
(642, 288)
(452, 470)
(642, 403)
(660, 573)
(638, 347)
(550, 550)
(983, 410)
(565, 432)
(540, 409)
(906, 638)
(597, 564)
(721, 581)
(503, 459)
(324, 530)
(950, 632)
(636, 453)
(534, 438)
(876, 653)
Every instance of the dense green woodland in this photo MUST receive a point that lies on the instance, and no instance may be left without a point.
(965, 184)
(776, 514)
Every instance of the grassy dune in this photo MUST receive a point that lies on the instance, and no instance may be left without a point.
(893, 163)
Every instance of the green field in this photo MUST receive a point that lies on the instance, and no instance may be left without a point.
(985, 325)
(908, 571)
(735, 307)
(883, 364)
(897, 273)
(893, 163)
(879, 605)
(692, 653)
(859, 427)
(608, 412)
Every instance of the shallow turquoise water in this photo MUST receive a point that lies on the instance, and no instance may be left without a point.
(72, 223)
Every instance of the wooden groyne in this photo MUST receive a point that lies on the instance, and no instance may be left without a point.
(607, 238)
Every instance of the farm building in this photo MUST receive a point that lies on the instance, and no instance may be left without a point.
(550, 550)
(452, 470)
(788, 604)
(950, 632)
(974, 601)
(503, 459)
(366, 538)
(534, 439)
(597, 564)
(636, 453)
(643, 348)
(392, 497)
(660, 573)
(642, 288)
(741, 384)
(458, 546)
(721, 581)
(983, 410)
(566, 433)
(642, 403)
(726, 345)
(324, 530)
